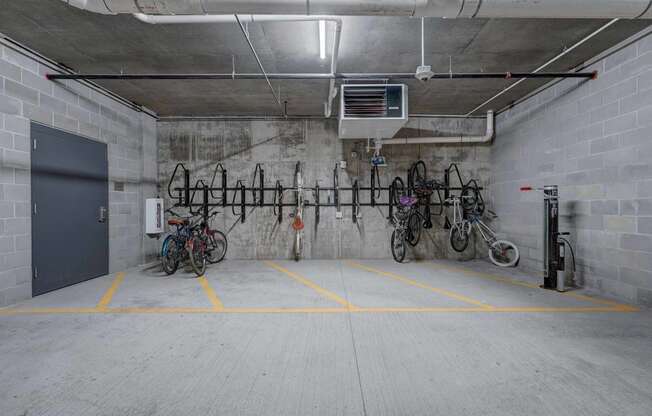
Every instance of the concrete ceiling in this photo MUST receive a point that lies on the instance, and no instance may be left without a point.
(92, 43)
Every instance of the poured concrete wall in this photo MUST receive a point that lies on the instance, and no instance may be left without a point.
(278, 145)
(25, 95)
(594, 140)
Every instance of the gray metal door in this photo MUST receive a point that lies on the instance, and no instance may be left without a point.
(70, 195)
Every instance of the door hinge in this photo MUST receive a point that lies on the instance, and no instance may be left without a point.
(34, 144)
(34, 208)
(35, 272)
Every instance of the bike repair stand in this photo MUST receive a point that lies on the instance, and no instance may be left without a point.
(554, 247)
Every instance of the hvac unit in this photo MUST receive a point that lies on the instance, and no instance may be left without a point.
(372, 111)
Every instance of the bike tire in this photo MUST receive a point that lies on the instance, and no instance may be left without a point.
(459, 240)
(399, 190)
(418, 172)
(217, 246)
(498, 253)
(169, 258)
(398, 247)
(414, 229)
(298, 245)
(197, 256)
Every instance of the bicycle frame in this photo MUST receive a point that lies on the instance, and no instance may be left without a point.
(464, 225)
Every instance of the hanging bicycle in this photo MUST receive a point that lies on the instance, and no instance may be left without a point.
(502, 253)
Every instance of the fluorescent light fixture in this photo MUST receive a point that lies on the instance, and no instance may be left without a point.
(322, 39)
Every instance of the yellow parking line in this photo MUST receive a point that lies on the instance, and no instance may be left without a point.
(324, 292)
(271, 310)
(504, 279)
(210, 294)
(173, 310)
(108, 295)
(48, 311)
(412, 282)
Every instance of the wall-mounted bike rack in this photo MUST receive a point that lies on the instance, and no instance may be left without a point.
(240, 197)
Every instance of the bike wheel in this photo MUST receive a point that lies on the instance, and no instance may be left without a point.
(504, 253)
(459, 239)
(398, 247)
(399, 190)
(414, 229)
(169, 255)
(298, 245)
(197, 255)
(418, 172)
(216, 247)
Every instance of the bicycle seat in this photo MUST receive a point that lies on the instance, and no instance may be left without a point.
(408, 201)
(176, 221)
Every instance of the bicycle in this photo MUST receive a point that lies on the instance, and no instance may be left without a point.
(502, 253)
(214, 240)
(417, 218)
(298, 224)
(401, 219)
(184, 244)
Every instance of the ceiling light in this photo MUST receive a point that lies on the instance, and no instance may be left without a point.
(322, 39)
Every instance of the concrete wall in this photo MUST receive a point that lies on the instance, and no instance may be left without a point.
(278, 145)
(26, 95)
(594, 140)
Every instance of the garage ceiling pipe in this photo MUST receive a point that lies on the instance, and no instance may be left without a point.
(556, 9)
(253, 18)
(451, 139)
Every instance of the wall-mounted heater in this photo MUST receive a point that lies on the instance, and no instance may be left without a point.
(372, 111)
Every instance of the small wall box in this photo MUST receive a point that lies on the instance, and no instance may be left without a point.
(154, 216)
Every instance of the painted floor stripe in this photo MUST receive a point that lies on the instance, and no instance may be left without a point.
(324, 292)
(108, 295)
(508, 280)
(210, 294)
(415, 283)
(271, 310)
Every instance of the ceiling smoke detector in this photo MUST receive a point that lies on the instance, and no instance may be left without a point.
(424, 73)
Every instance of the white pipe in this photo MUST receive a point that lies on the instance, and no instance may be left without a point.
(222, 18)
(451, 139)
(553, 60)
(332, 91)
(556, 9)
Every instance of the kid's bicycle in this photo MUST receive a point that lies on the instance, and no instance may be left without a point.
(502, 253)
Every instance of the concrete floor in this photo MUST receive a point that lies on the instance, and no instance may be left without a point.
(324, 338)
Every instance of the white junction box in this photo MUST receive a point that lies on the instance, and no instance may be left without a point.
(154, 216)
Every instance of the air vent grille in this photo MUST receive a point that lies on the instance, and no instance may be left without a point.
(365, 101)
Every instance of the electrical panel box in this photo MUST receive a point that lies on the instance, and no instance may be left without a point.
(154, 216)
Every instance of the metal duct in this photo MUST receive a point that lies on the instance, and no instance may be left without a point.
(489, 135)
(558, 9)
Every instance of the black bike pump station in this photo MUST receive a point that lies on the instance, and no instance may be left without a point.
(551, 249)
(554, 245)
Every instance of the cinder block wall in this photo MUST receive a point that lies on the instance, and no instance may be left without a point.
(278, 145)
(594, 140)
(25, 95)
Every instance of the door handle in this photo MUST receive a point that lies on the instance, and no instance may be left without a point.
(102, 215)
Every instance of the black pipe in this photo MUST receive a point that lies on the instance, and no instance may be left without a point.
(205, 204)
(224, 187)
(243, 197)
(397, 75)
(373, 186)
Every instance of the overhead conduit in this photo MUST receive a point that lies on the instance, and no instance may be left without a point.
(553, 9)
